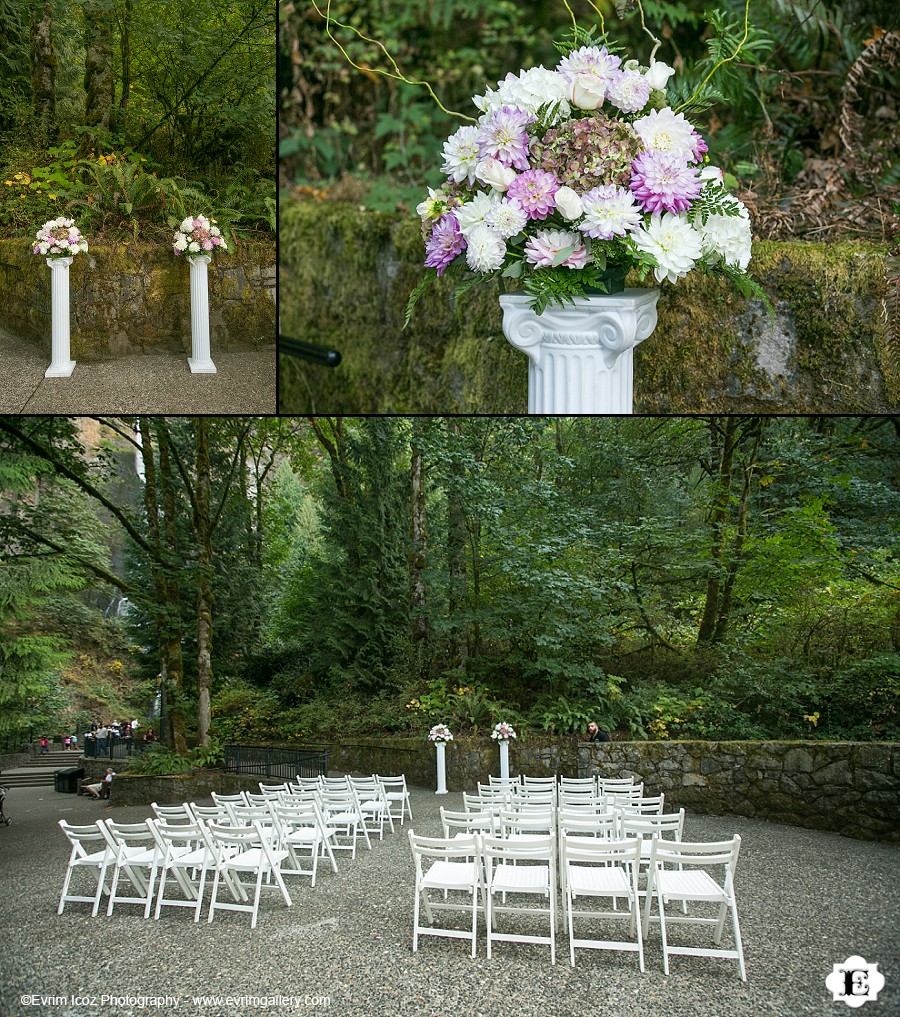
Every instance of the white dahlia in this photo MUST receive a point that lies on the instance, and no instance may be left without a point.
(508, 218)
(666, 131)
(674, 243)
(728, 236)
(475, 212)
(485, 249)
(461, 155)
(609, 211)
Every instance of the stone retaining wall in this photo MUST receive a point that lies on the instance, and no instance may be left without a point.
(346, 275)
(851, 788)
(135, 298)
(13, 760)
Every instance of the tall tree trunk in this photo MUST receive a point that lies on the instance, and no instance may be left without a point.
(172, 607)
(724, 442)
(203, 528)
(457, 536)
(120, 116)
(42, 55)
(417, 550)
(99, 86)
(737, 554)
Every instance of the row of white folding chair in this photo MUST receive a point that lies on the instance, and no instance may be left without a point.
(138, 853)
(483, 866)
(291, 822)
(396, 792)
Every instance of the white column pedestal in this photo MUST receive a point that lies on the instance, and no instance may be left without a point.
(441, 748)
(504, 758)
(61, 363)
(581, 356)
(200, 361)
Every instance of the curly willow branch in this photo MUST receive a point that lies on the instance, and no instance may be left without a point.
(722, 63)
(398, 75)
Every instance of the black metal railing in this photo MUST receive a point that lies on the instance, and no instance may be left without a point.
(113, 748)
(271, 761)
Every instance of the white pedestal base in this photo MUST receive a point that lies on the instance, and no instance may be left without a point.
(200, 361)
(581, 356)
(504, 758)
(61, 363)
(441, 768)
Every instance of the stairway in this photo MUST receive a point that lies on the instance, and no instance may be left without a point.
(39, 770)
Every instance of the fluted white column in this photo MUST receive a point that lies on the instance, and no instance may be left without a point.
(441, 768)
(581, 356)
(61, 363)
(200, 361)
(504, 758)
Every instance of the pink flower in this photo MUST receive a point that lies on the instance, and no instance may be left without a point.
(664, 182)
(542, 249)
(534, 190)
(446, 242)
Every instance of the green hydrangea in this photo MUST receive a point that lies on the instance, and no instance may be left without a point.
(588, 153)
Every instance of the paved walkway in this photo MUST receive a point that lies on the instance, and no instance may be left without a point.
(808, 900)
(137, 383)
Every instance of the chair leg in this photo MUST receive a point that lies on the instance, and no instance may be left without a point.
(737, 940)
(662, 932)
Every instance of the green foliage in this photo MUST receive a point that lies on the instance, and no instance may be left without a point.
(158, 761)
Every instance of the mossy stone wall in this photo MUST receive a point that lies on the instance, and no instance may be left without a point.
(135, 298)
(346, 274)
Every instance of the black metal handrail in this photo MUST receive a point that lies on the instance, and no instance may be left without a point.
(276, 761)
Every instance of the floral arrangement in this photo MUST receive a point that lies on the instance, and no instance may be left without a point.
(198, 235)
(503, 732)
(571, 177)
(440, 733)
(59, 238)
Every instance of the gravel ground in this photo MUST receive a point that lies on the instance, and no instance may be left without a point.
(807, 900)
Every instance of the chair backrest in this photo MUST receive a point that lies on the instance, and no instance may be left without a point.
(230, 841)
(125, 838)
(619, 785)
(334, 783)
(273, 790)
(173, 813)
(531, 798)
(674, 854)
(518, 823)
(79, 836)
(590, 801)
(210, 813)
(247, 815)
(307, 783)
(541, 783)
(578, 784)
(647, 804)
(538, 848)
(442, 848)
(169, 836)
(601, 851)
(657, 826)
(582, 823)
(503, 781)
(495, 790)
(240, 798)
(466, 822)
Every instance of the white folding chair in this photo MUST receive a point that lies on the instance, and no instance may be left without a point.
(605, 868)
(505, 782)
(240, 849)
(172, 814)
(453, 866)
(584, 825)
(539, 783)
(187, 855)
(643, 804)
(582, 784)
(274, 790)
(90, 851)
(514, 867)
(457, 824)
(136, 856)
(397, 794)
(340, 808)
(650, 827)
(373, 803)
(678, 872)
(302, 827)
(210, 813)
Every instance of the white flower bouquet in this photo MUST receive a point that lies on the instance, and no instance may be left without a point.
(59, 238)
(440, 733)
(573, 176)
(503, 731)
(198, 235)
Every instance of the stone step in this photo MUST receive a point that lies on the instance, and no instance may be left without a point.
(37, 778)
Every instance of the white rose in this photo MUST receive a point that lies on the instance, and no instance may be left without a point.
(712, 173)
(658, 74)
(491, 171)
(568, 203)
(587, 91)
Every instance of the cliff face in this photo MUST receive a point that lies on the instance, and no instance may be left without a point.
(346, 275)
